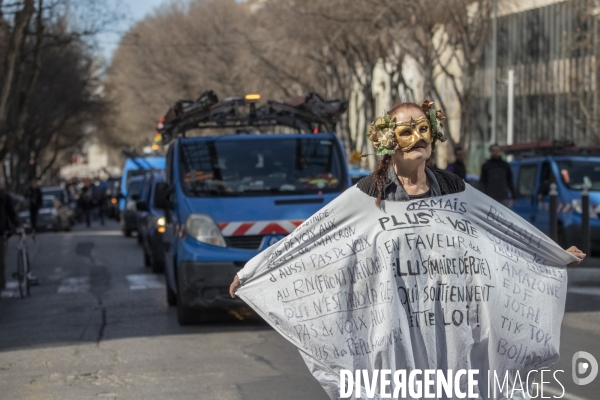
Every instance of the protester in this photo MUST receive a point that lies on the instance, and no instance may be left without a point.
(458, 167)
(8, 222)
(497, 179)
(34, 197)
(372, 262)
(405, 176)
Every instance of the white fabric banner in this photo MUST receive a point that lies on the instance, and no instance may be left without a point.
(445, 283)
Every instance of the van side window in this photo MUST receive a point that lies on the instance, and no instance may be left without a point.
(527, 179)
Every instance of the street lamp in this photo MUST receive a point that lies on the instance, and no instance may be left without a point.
(494, 68)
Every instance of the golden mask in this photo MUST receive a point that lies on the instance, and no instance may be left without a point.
(408, 133)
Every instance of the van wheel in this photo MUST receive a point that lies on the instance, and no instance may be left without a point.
(171, 296)
(186, 315)
(158, 266)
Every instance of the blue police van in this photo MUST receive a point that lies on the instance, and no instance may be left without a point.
(534, 171)
(229, 196)
(134, 166)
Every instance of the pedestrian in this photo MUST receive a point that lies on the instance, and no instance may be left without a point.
(458, 167)
(34, 197)
(8, 222)
(406, 138)
(85, 204)
(497, 179)
(102, 201)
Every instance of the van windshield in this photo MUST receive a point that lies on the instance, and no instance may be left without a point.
(575, 174)
(261, 167)
(133, 172)
(134, 188)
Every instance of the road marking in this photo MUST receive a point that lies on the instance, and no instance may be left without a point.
(93, 233)
(559, 392)
(145, 281)
(590, 291)
(12, 289)
(74, 285)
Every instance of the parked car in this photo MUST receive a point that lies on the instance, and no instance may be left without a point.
(151, 223)
(62, 195)
(533, 176)
(128, 215)
(76, 213)
(52, 216)
(57, 191)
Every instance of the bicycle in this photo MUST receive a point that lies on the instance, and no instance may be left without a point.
(23, 268)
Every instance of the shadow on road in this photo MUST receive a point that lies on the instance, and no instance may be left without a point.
(87, 295)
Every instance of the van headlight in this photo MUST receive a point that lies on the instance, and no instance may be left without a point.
(202, 228)
(161, 225)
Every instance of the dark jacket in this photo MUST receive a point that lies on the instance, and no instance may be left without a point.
(458, 168)
(497, 179)
(8, 216)
(35, 198)
(449, 183)
(85, 201)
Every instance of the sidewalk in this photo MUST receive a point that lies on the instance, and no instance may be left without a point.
(585, 274)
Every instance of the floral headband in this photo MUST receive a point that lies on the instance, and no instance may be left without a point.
(382, 132)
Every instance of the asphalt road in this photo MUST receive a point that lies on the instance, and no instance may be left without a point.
(98, 326)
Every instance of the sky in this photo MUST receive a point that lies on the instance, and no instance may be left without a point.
(135, 11)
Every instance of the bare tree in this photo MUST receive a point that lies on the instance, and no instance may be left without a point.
(16, 38)
(53, 33)
(282, 48)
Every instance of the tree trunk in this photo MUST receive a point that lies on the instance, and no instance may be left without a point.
(25, 99)
(15, 40)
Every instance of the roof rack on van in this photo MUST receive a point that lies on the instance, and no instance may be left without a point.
(549, 148)
(308, 113)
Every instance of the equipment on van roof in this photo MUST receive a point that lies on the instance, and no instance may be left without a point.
(549, 148)
(308, 113)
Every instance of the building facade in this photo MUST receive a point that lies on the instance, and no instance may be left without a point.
(553, 51)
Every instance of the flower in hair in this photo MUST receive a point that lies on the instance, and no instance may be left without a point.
(381, 133)
(436, 118)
